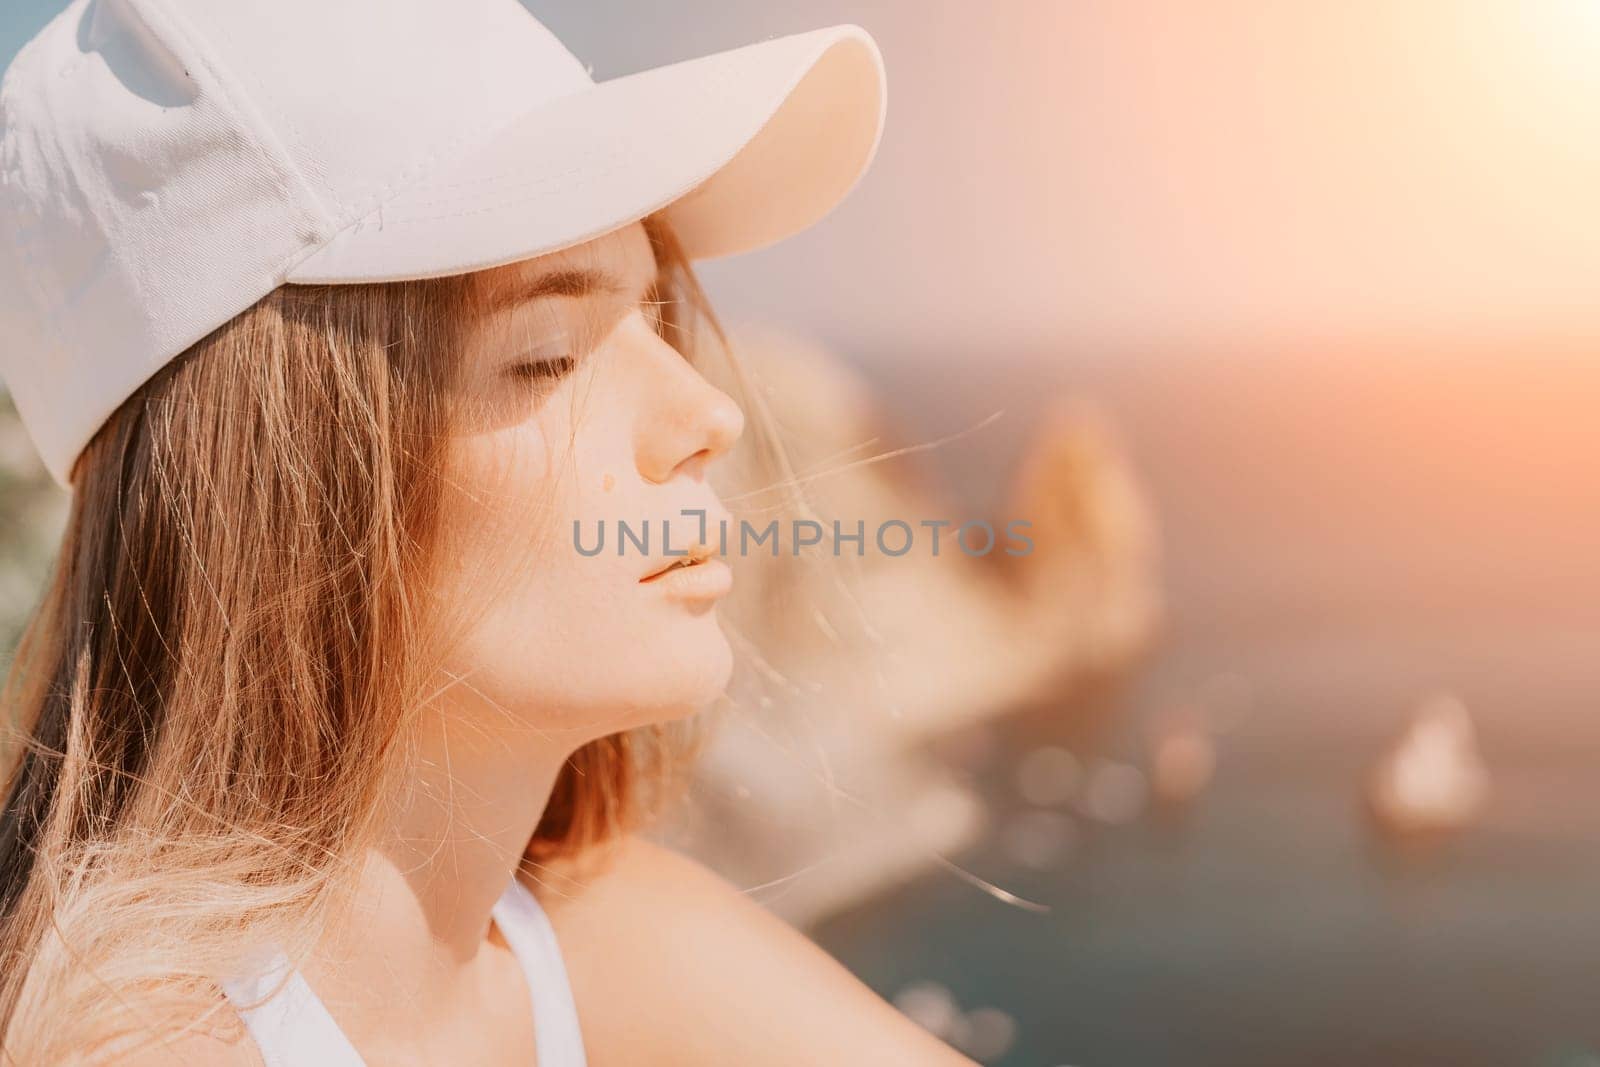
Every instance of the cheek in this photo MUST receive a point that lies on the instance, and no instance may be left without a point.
(510, 503)
(569, 643)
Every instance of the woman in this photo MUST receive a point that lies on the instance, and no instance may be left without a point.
(341, 319)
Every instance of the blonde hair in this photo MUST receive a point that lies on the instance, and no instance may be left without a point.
(216, 690)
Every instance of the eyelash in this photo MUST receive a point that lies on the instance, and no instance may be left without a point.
(543, 370)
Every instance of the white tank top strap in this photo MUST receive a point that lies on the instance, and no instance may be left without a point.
(293, 1028)
(527, 930)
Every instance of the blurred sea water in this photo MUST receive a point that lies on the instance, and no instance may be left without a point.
(1345, 534)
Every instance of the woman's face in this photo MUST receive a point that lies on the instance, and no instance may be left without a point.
(577, 411)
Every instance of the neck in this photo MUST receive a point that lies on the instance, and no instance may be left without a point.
(446, 851)
(458, 836)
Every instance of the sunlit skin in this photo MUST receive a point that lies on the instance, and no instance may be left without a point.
(575, 408)
(582, 413)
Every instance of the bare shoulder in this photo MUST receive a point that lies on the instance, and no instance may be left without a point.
(671, 964)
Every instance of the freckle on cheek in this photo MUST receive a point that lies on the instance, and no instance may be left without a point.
(607, 482)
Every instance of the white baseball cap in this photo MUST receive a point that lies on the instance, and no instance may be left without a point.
(164, 164)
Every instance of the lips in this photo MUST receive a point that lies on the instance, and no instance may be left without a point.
(698, 554)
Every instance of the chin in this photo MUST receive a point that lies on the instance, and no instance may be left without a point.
(703, 685)
(686, 678)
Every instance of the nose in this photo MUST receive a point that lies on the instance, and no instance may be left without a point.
(687, 422)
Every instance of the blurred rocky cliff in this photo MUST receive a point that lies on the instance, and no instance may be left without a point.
(816, 785)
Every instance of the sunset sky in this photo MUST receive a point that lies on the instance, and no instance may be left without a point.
(1172, 171)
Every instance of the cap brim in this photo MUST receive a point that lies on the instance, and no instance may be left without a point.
(742, 148)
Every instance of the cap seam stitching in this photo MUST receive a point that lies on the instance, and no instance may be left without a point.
(408, 177)
(265, 142)
(277, 112)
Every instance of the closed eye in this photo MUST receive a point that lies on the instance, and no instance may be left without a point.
(542, 370)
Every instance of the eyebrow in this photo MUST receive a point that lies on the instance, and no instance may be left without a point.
(554, 283)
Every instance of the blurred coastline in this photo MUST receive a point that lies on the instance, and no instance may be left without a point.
(1346, 534)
